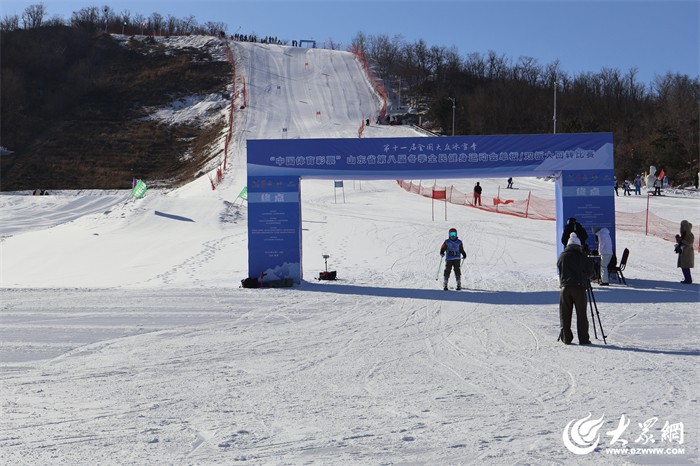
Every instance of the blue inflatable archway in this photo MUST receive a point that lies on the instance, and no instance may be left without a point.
(581, 163)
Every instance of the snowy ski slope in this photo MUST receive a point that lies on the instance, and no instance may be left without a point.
(125, 338)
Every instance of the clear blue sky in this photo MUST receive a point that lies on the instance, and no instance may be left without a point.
(655, 37)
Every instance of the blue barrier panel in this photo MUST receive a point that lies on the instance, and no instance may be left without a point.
(582, 164)
(274, 233)
(587, 195)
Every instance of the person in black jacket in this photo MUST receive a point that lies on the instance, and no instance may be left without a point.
(477, 194)
(573, 226)
(575, 272)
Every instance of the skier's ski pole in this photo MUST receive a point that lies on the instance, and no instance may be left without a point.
(437, 275)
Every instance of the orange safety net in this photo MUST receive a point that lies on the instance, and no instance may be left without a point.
(544, 209)
(221, 169)
(376, 83)
(533, 207)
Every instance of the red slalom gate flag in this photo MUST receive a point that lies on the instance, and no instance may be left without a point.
(497, 201)
(439, 194)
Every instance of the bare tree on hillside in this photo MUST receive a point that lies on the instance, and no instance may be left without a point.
(436, 59)
(86, 18)
(189, 24)
(453, 63)
(9, 23)
(33, 16)
(332, 44)
(552, 72)
(138, 21)
(475, 65)
(359, 42)
(55, 20)
(528, 70)
(109, 17)
(125, 19)
(678, 121)
(418, 56)
(497, 66)
(215, 28)
(384, 53)
(156, 23)
(171, 25)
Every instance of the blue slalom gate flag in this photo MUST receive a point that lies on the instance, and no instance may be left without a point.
(338, 184)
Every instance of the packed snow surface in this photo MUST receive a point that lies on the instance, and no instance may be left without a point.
(126, 339)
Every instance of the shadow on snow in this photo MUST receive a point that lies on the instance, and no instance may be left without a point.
(638, 291)
(173, 216)
(680, 352)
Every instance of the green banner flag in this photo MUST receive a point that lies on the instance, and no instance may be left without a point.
(139, 190)
(244, 194)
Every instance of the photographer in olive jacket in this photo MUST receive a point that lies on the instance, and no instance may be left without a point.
(575, 272)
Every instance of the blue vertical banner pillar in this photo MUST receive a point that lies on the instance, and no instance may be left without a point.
(588, 196)
(274, 227)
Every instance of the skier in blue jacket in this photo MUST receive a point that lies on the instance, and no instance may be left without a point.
(454, 248)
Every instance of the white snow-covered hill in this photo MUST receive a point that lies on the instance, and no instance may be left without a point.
(125, 338)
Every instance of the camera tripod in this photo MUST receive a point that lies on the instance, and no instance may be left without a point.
(593, 305)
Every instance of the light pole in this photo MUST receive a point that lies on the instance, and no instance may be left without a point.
(554, 117)
(453, 114)
(399, 79)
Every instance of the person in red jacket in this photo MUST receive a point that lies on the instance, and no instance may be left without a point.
(454, 249)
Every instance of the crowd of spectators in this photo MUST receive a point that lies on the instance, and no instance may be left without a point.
(255, 38)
